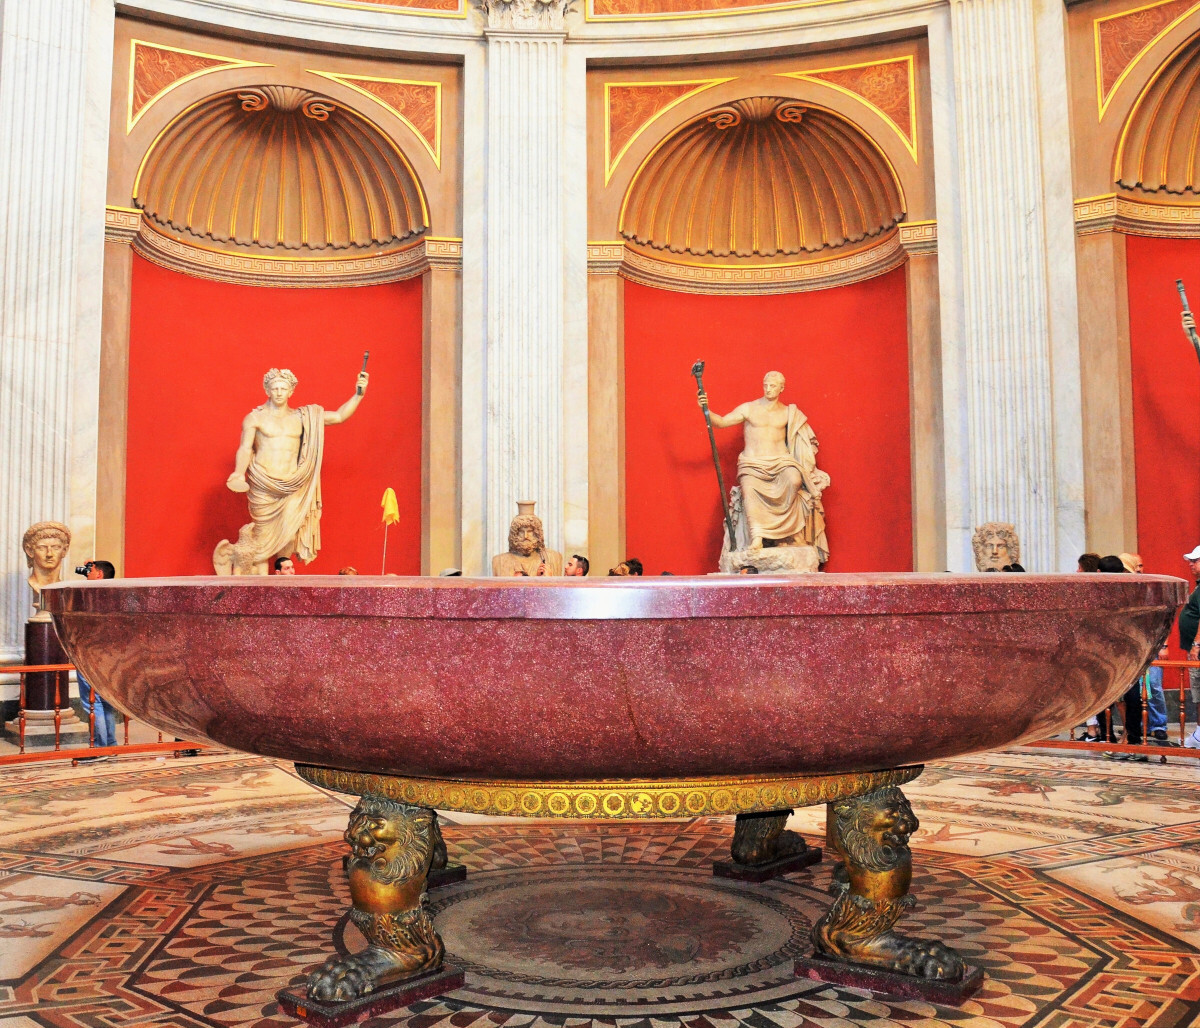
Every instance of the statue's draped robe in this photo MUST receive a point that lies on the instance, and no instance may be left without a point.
(781, 494)
(287, 511)
(505, 565)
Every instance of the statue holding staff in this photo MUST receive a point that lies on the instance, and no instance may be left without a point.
(779, 482)
(278, 464)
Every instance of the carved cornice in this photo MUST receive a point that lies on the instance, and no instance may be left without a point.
(547, 16)
(1115, 213)
(605, 258)
(121, 224)
(297, 272)
(749, 279)
(918, 237)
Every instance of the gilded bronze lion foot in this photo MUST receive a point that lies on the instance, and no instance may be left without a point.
(870, 833)
(391, 848)
(762, 838)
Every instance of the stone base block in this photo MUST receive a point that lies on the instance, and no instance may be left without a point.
(774, 560)
(889, 983)
(447, 875)
(771, 869)
(295, 1002)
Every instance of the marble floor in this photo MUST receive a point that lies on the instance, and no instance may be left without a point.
(187, 891)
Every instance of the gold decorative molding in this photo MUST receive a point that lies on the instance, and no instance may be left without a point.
(155, 69)
(421, 8)
(121, 224)
(887, 87)
(445, 253)
(918, 237)
(1115, 213)
(763, 176)
(1121, 40)
(659, 10)
(417, 104)
(241, 268)
(631, 107)
(674, 798)
(605, 258)
(756, 279)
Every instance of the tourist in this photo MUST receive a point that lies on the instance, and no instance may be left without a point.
(450, 573)
(284, 566)
(1088, 562)
(1133, 563)
(627, 567)
(1112, 565)
(747, 569)
(94, 707)
(348, 571)
(576, 567)
(1189, 621)
(1013, 567)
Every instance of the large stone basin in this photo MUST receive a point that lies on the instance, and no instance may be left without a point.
(567, 679)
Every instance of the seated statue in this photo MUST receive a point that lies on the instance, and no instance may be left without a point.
(778, 496)
(527, 553)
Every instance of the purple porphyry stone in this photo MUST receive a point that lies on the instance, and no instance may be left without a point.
(568, 679)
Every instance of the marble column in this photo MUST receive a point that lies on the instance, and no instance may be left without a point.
(524, 363)
(55, 73)
(1017, 392)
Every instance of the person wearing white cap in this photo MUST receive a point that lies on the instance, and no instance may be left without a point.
(1189, 622)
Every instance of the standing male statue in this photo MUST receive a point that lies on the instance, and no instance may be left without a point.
(279, 464)
(780, 486)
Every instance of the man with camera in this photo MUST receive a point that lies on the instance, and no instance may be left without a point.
(105, 731)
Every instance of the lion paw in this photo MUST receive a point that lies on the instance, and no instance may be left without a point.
(345, 978)
(929, 960)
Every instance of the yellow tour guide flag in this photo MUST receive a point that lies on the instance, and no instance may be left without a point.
(391, 509)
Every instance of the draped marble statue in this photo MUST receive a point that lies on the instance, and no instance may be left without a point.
(780, 523)
(278, 464)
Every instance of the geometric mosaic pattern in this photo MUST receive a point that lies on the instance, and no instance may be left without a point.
(185, 893)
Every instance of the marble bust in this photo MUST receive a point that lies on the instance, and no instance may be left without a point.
(45, 544)
(278, 463)
(995, 544)
(527, 547)
(780, 518)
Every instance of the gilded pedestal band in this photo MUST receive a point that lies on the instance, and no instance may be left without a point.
(693, 797)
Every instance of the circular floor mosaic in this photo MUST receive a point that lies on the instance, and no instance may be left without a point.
(596, 940)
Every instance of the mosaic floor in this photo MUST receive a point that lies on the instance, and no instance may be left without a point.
(186, 892)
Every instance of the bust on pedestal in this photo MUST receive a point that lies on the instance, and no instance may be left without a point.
(45, 544)
(527, 553)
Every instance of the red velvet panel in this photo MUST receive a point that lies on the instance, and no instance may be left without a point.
(844, 353)
(197, 354)
(1166, 401)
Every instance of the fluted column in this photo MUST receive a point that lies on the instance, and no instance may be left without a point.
(525, 266)
(1018, 340)
(55, 67)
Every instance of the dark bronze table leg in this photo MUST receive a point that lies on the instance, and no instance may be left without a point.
(763, 848)
(391, 848)
(870, 835)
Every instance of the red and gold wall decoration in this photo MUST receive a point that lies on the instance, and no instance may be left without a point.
(851, 380)
(417, 104)
(631, 107)
(155, 69)
(653, 10)
(197, 353)
(435, 8)
(888, 87)
(1121, 40)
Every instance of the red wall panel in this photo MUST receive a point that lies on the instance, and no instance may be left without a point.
(844, 353)
(197, 354)
(1166, 401)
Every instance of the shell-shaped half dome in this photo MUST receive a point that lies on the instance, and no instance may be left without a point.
(1160, 146)
(763, 176)
(278, 166)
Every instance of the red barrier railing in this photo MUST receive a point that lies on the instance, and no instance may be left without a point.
(61, 687)
(1084, 745)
